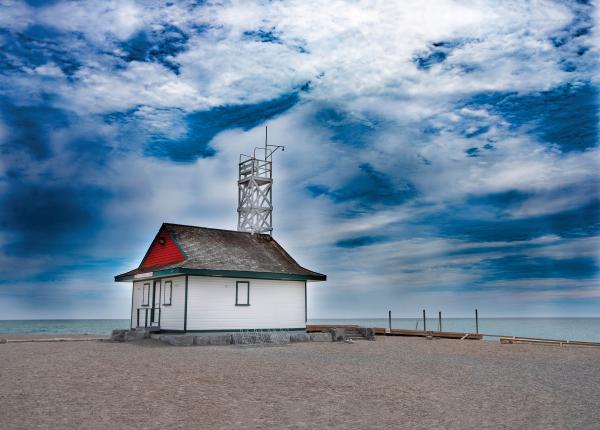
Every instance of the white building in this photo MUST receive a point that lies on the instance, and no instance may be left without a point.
(204, 279)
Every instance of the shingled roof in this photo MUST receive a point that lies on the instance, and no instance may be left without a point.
(214, 252)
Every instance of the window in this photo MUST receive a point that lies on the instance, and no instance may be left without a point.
(168, 293)
(146, 295)
(156, 294)
(242, 293)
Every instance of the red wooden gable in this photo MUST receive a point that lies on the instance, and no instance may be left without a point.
(162, 251)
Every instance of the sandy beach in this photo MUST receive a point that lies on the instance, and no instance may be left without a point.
(389, 383)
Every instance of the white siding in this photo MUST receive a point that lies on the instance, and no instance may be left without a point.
(211, 304)
(137, 300)
(273, 304)
(171, 317)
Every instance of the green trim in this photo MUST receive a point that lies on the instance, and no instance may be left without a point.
(305, 304)
(144, 296)
(186, 305)
(225, 274)
(180, 248)
(131, 313)
(153, 307)
(170, 293)
(237, 287)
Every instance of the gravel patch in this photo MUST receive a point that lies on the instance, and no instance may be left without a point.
(390, 383)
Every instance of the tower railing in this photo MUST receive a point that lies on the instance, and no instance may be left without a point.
(254, 167)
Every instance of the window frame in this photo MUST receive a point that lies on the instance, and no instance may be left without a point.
(237, 287)
(167, 285)
(146, 295)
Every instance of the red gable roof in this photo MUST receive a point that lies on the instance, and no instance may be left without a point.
(162, 251)
(186, 249)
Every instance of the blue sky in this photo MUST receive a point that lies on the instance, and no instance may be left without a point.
(439, 154)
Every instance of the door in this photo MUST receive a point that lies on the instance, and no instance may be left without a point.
(143, 304)
(155, 311)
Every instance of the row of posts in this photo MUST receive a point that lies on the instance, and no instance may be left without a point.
(439, 321)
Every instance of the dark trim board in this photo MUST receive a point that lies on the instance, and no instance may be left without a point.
(237, 290)
(222, 274)
(131, 313)
(186, 305)
(155, 283)
(144, 295)
(305, 303)
(164, 298)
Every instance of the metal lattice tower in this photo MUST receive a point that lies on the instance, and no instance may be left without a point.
(255, 186)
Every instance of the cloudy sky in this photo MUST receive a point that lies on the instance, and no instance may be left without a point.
(439, 154)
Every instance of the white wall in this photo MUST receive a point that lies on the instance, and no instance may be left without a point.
(171, 317)
(273, 304)
(211, 304)
(137, 301)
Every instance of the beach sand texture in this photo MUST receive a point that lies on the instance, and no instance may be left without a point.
(391, 383)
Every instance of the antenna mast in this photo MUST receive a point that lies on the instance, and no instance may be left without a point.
(255, 187)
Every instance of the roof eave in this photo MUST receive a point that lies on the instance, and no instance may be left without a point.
(126, 277)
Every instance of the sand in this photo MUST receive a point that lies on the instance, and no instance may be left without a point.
(389, 383)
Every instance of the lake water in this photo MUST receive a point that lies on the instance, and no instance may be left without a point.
(62, 326)
(585, 329)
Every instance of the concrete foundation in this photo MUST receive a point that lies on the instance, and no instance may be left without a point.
(321, 337)
(241, 338)
(338, 334)
(299, 337)
(179, 340)
(129, 335)
(236, 338)
(368, 333)
(215, 339)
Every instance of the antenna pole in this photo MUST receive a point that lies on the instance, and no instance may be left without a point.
(266, 138)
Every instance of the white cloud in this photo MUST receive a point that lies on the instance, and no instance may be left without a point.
(97, 20)
(358, 49)
(15, 15)
(49, 70)
(347, 50)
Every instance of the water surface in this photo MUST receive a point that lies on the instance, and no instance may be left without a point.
(100, 327)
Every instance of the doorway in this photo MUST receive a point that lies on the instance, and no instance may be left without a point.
(155, 310)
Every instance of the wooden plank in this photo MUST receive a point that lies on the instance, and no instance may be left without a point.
(453, 335)
(437, 334)
(535, 341)
(312, 328)
(397, 332)
(421, 333)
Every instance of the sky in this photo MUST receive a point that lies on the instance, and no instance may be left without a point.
(440, 155)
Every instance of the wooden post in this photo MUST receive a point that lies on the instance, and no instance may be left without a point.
(476, 322)
(185, 306)
(390, 320)
(424, 321)
(440, 319)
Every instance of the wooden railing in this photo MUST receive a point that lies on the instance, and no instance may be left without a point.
(147, 317)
